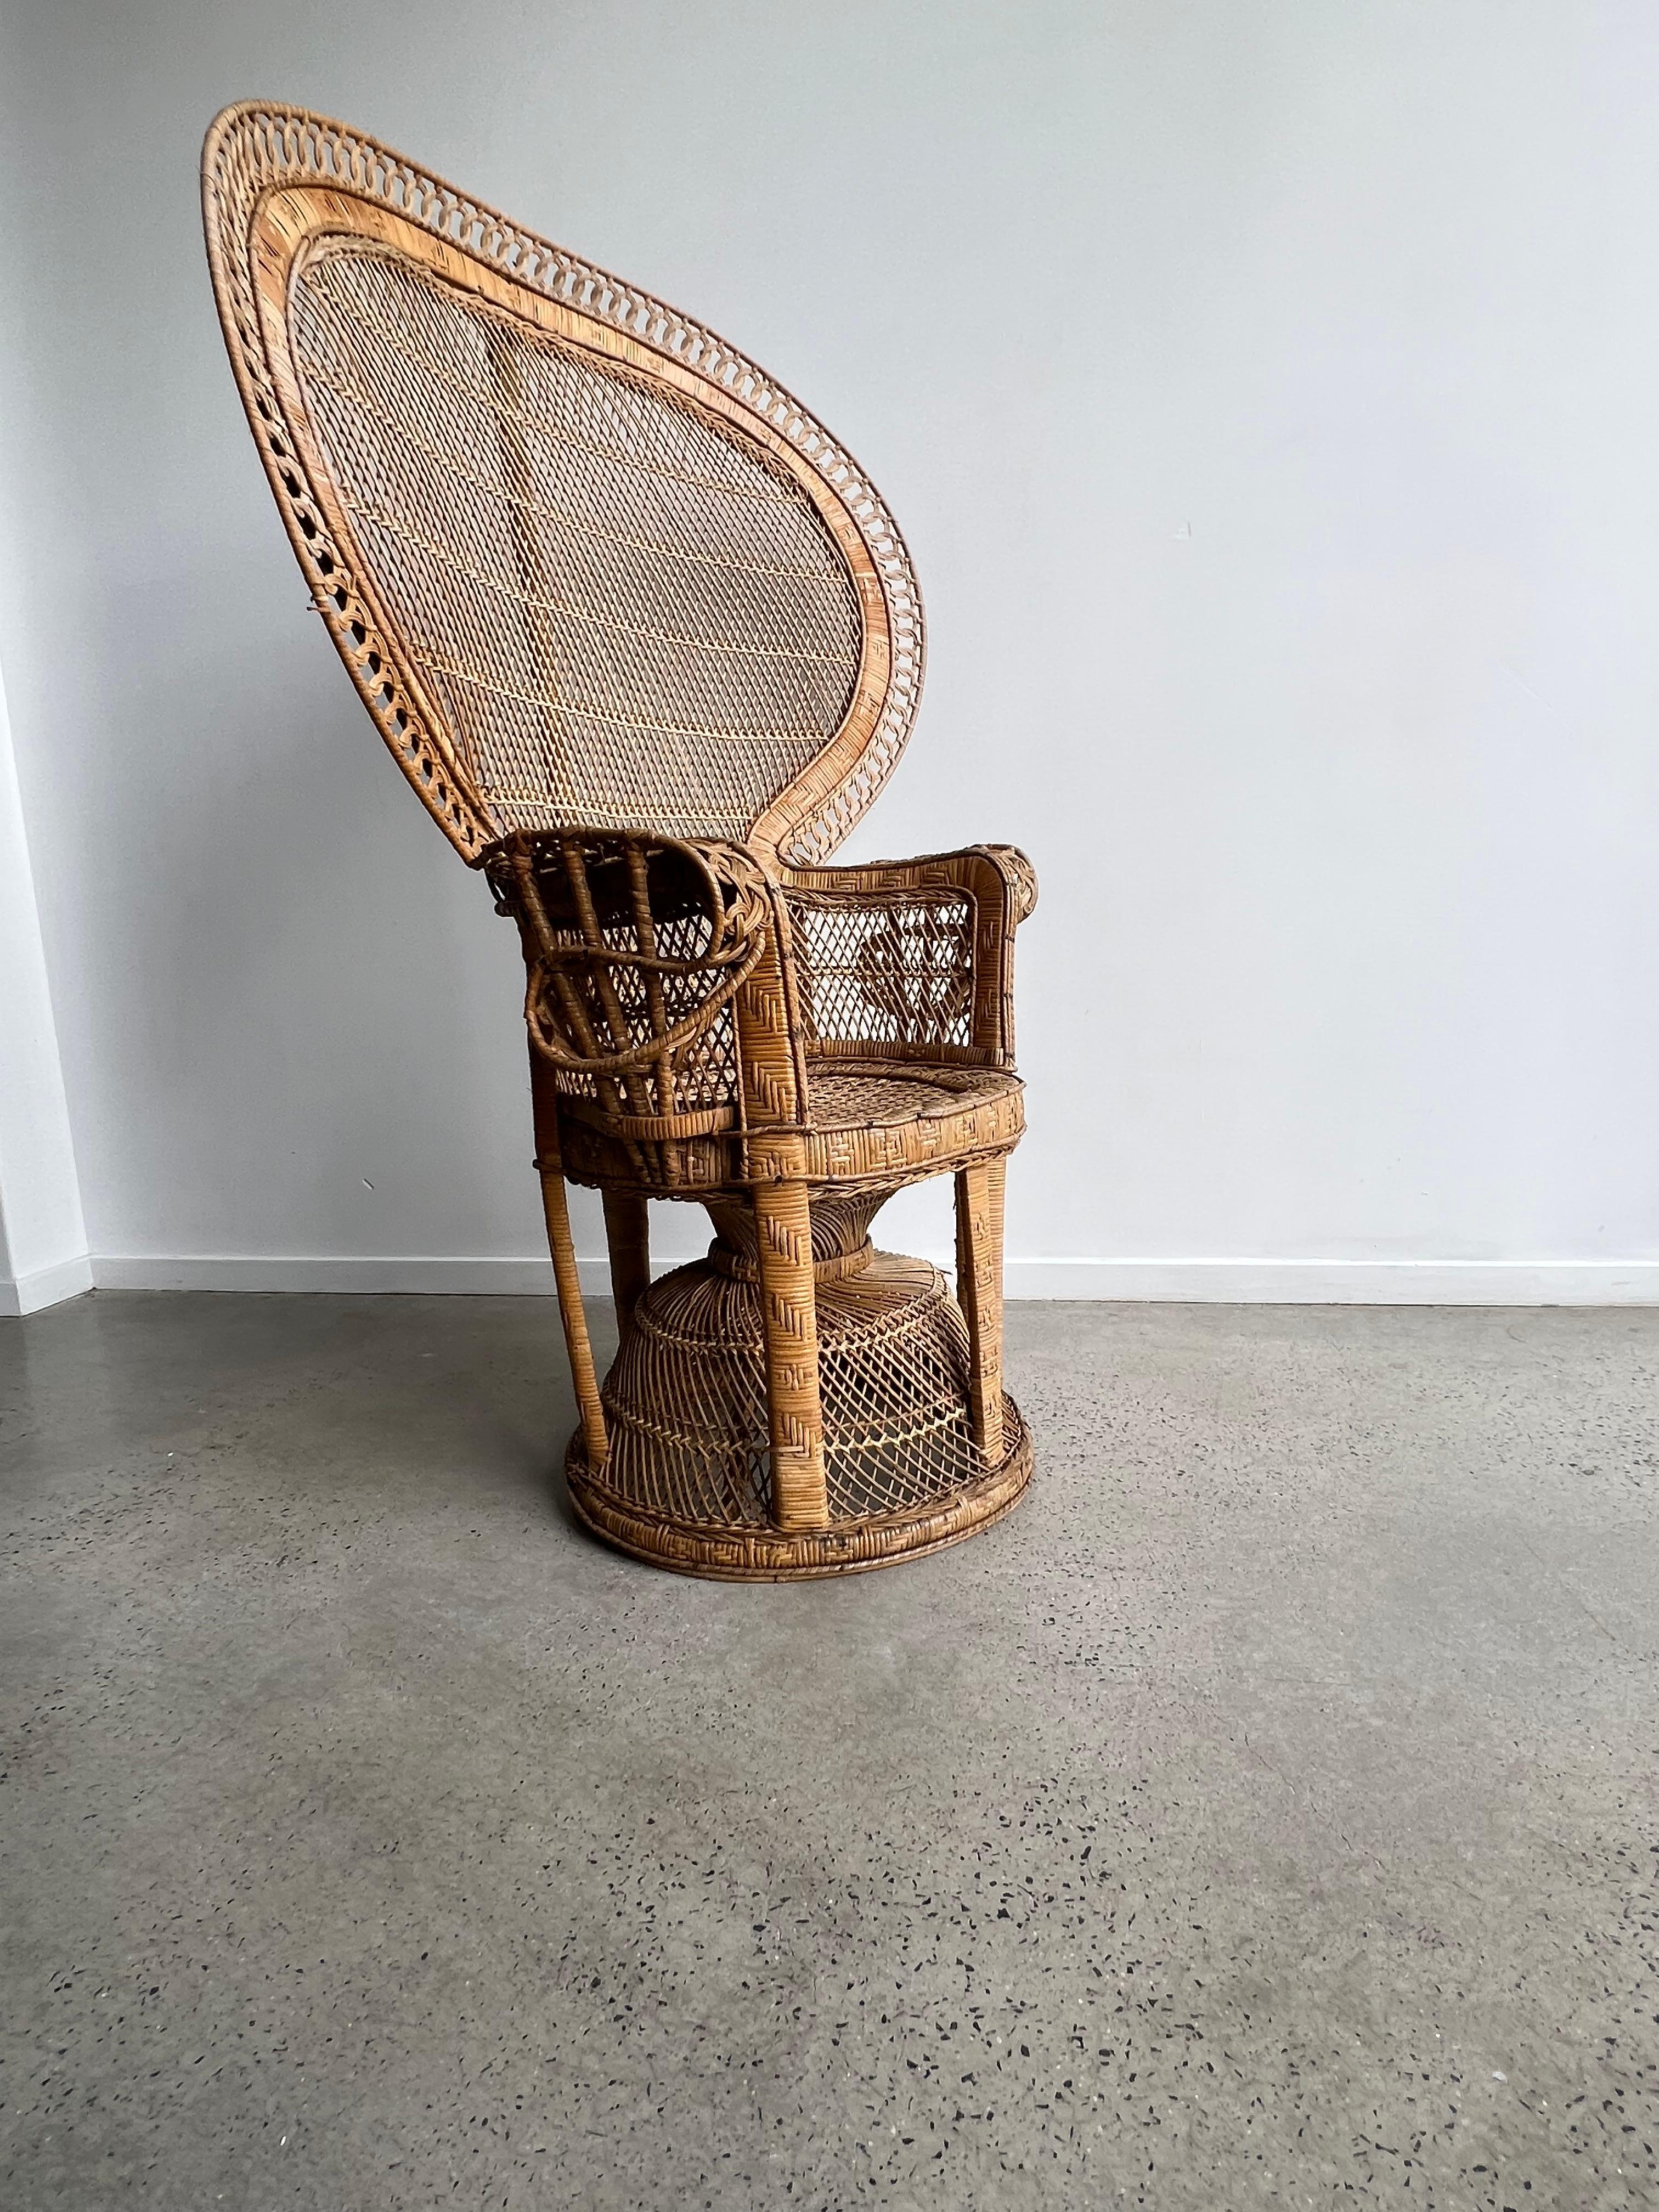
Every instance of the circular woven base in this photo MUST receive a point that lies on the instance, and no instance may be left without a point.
(770, 1555)
(687, 1481)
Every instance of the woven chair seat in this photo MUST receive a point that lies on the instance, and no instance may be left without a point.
(886, 1094)
(891, 1119)
(871, 1123)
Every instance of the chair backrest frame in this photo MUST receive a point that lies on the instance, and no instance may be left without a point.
(278, 181)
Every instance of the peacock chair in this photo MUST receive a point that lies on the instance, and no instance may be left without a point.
(647, 643)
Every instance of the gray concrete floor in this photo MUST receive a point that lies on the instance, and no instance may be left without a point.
(1266, 1814)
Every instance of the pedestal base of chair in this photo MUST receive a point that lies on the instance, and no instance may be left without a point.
(687, 1481)
(750, 1554)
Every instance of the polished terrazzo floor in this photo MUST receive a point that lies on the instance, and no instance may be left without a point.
(1267, 1814)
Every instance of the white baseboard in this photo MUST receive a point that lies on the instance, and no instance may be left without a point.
(45, 1286)
(1342, 1282)
(1231, 1282)
(454, 1278)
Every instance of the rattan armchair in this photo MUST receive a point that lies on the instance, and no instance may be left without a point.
(647, 643)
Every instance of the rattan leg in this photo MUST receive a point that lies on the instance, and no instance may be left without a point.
(783, 1224)
(979, 1287)
(628, 1234)
(572, 1312)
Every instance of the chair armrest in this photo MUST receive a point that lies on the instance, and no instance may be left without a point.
(660, 991)
(911, 956)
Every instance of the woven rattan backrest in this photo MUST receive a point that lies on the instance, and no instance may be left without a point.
(588, 566)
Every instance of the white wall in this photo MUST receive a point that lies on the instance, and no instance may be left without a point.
(43, 1237)
(1268, 395)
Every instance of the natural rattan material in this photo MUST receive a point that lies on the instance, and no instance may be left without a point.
(647, 643)
(592, 574)
(361, 298)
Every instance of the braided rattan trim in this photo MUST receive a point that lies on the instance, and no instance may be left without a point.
(258, 149)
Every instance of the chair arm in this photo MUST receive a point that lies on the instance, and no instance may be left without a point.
(660, 988)
(916, 955)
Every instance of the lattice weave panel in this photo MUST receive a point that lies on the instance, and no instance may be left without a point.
(630, 613)
(895, 971)
(686, 1400)
(568, 621)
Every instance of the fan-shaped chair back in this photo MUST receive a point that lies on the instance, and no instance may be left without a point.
(588, 566)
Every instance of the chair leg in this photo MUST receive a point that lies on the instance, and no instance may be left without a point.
(979, 1288)
(783, 1224)
(572, 1312)
(627, 1231)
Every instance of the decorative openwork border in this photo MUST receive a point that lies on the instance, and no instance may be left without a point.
(257, 148)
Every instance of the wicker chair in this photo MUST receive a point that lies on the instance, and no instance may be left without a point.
(647, 643)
